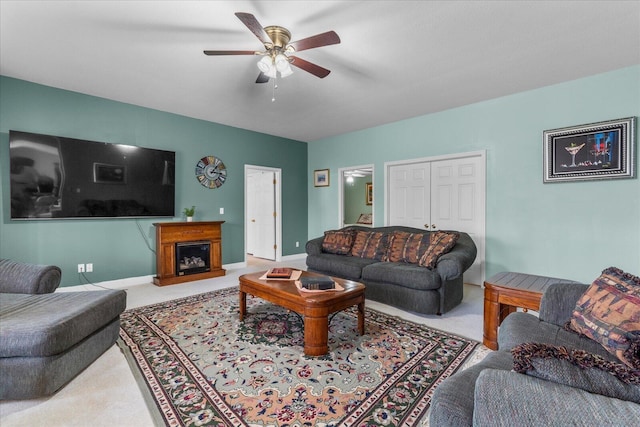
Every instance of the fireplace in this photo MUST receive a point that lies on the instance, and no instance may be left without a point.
(192, 257)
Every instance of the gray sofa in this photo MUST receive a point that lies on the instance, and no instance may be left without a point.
(400, 284)
(553, 392)
(47, 338)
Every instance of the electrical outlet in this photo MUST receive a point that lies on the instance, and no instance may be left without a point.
(80, 268)
(221, 211)
(297, 244)
(90, 267)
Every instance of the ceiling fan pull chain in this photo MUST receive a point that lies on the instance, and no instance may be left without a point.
(275, 86)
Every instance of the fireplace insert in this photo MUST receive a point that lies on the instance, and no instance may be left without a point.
(192, 257)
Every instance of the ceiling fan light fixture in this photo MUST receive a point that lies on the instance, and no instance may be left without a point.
(271, 72)
(265, 64)
(287, 71)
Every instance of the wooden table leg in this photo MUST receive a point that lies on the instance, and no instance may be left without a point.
(361, 318)
(491, 319)
(243, 304)
(316, 335)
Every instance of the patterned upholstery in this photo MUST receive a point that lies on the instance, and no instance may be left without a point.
(609, 313)
(370, 244)
(407, 247)
(337, 242)
(441, 243)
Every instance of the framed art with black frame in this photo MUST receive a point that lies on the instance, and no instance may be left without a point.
(603, 150)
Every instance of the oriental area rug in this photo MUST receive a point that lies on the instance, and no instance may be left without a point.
(199, 365)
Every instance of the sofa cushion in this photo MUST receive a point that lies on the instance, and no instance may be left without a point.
(506, 398)
(441, 242)
(407, 247)
(578, 369)
(400, 273)
(609, 313)
(452, 402)
(370, 244)
(338, 242)
(347, 267)
(46, 325)
(521, 327)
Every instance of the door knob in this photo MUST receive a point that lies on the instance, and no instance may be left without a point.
(433, 226)
(426, 226)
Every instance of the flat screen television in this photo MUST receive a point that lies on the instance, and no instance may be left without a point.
(54, 177)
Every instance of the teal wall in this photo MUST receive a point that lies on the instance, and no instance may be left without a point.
(119, 248)
(572, 229)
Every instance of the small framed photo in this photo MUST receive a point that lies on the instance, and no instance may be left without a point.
(603, 150)
(368, 196)
(321, 178)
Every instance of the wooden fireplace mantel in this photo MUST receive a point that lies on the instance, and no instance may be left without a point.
(170, 233)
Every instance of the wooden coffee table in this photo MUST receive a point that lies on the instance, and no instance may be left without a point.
(315, 308)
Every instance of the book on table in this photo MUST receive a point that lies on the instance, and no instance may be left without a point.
(317, 282)
(279, 273)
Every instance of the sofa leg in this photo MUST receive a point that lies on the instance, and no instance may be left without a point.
(438, 314)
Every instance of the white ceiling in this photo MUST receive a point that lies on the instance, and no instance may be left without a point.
(397, 59)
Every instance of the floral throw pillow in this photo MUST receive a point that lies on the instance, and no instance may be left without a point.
(441, 243)
(337, 242)
(609, 313)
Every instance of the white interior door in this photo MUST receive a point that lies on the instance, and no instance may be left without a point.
(457, 195)
(263, 226)
(445, 193)
(265, 215)
(409, 198)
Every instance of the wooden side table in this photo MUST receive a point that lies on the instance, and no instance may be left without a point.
(504, 293)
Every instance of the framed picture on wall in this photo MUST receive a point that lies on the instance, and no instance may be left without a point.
(603, 150)
(368, 193)
(321, 178)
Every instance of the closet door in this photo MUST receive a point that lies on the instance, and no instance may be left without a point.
(409, 195)
(442, 194)
(457, 203)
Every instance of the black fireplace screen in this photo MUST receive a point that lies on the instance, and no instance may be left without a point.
(192, 257)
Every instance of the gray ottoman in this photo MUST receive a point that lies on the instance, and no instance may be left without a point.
(46, 339)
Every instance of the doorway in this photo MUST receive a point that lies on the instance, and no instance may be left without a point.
(441, 193)
(356, 196)
(262, 217)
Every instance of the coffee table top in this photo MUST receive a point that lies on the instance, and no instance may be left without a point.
(287, 288)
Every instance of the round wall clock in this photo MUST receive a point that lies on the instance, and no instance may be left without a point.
(211, 172)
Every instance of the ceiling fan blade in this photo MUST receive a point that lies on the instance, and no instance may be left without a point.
(229, 52)
(254, 26)
(262, 78)
(309, 67)
(319, 40)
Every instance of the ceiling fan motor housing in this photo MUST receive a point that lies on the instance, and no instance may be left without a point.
(280, 36)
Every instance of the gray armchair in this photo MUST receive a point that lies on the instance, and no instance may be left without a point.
(556, 392)
(47, 338)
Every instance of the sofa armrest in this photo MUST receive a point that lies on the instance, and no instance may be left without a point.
(22, 278)
(455, 262)
(314, 246)
(559, 300)
(500, 394)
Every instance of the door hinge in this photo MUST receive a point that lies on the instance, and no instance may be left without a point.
(275, 247)
(275, 214)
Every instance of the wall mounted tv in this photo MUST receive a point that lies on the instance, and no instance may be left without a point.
(54, 177)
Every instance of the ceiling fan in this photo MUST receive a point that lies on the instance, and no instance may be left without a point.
(278, 54)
